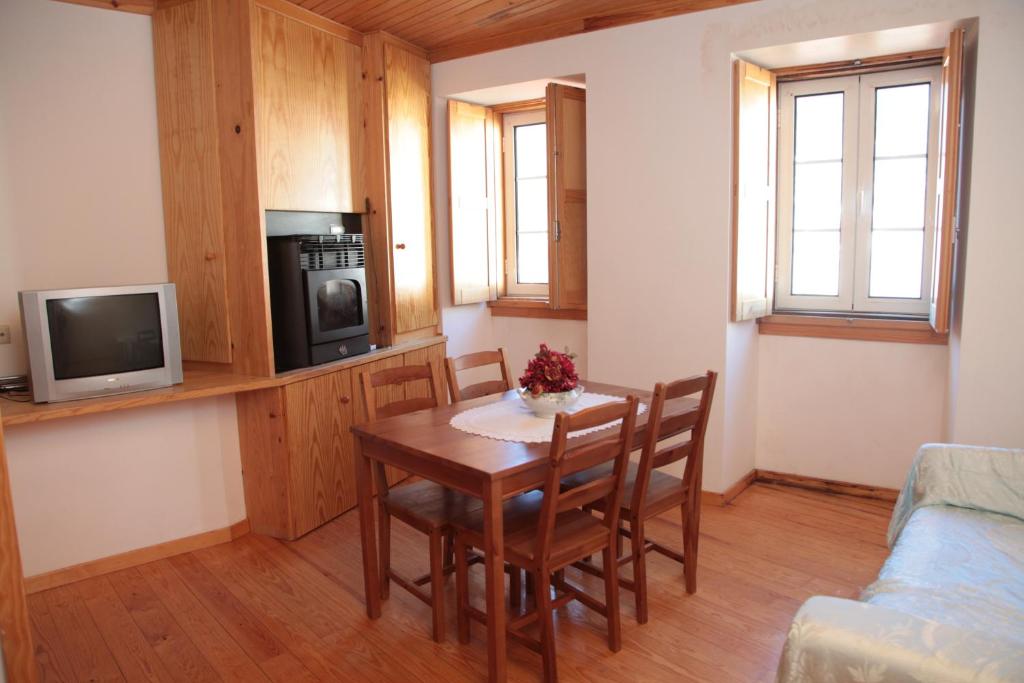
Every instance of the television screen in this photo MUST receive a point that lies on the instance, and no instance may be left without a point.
(105, 335)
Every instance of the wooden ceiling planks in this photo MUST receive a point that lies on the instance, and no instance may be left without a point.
(448, 29)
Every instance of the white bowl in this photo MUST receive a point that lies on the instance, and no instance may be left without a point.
(546, 405)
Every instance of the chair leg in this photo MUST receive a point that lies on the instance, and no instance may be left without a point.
(437, 584)
(618, 540)
(611, 600)
(637, 541)
(449, 549)
(461, 590)
(515, 586)
(384, 550)
(691, 534)
(545, 618)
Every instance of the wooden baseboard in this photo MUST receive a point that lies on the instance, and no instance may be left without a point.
(726, 497)
(828, 485)
(133, 558)
(799, 481)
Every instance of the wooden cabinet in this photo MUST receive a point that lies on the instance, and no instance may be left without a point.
(259, 106)
(309, 116)
(190, 174)
(297, 447)
(404, 282)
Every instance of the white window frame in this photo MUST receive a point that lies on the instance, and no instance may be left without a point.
(869, 84)
(510, 121)
(857, 193)
(788, 93)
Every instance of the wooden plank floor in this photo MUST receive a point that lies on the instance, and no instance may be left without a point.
(258, 609)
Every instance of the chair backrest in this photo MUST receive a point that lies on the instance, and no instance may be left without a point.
(476, 360)
(393, 381)
(662, 429)
(566, 461)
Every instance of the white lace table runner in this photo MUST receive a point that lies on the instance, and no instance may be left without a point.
(513, 421)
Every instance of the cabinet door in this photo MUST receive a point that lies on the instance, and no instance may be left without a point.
(320, 412)
(190, 175)
(407, 95)
(309, 117)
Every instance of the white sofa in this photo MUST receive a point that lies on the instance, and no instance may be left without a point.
(948, 604)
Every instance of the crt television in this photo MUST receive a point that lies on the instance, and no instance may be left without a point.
(101, 341)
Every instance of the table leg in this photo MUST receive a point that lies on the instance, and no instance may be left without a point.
(494, 564)
(367, 533)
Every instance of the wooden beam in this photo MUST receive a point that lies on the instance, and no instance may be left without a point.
(15, 631)
(133, 6)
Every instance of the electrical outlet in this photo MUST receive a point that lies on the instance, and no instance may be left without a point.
(5, 334)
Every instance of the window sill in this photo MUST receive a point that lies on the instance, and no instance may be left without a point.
(513, 307)
(863, 329)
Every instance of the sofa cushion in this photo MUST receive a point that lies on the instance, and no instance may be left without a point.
(957, 566)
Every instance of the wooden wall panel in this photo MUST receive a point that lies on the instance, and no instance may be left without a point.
(190, 174)
(266, 461)
(407, 105)
(244, 228)
(375, 222)
(309, 116)
(15, 631)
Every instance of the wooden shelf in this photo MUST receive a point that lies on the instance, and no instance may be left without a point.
(201, 381)
(302, 374)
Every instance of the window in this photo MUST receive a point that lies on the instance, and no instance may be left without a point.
(517, 176)
(857, 168)
(526, 203)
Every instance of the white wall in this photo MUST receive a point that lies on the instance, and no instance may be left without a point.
(848, 410)
(659, 138)
(80, 206)
(989, 408)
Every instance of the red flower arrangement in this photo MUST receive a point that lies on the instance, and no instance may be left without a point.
(550, 372)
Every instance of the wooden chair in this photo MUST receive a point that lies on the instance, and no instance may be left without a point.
(476, 360)
(423, 505)
(546, 531)
(649, 492)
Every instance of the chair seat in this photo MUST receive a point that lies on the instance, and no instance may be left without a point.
(576, 532)
(426, 505)
(663, 491)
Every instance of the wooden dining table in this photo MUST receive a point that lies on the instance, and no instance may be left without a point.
(424, 444)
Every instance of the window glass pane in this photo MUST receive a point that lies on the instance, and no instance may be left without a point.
(531, 151)
(817, 195)
(532, 257)
(819, 127)
(899, 193)
(896, 261)
(531, 167)
(532, 205)
(901, 120)
(816, 263)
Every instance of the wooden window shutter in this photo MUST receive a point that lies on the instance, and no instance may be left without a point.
(567, 196)
(947, 185)
(474, 219)
(753, 191)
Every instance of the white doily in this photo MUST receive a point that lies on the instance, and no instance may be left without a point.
(513, 421)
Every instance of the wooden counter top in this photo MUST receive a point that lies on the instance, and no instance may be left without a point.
(202, 380)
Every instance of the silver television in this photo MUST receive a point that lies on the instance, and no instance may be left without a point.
(100, 341)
